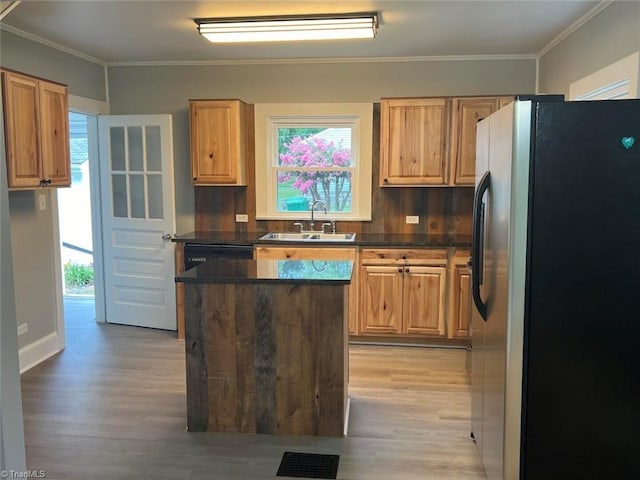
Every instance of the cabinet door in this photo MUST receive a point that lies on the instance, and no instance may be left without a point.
(467, 112)
(459, 306)
(54, 134)
(21, 130)
(381, 299)
(414, 141)
(217, 142)
(424, 300)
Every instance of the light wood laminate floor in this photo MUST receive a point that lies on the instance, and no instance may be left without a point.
(112, 406)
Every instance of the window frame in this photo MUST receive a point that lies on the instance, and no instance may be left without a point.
(268, 117)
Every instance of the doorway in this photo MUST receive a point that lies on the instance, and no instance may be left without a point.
(75, 223)
(98, 218)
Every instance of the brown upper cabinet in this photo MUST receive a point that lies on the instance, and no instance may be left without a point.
(431, 141)
(467, 112)
(218, 142)
(413, 141)
(36, 116)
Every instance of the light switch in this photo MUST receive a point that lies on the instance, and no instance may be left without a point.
(242, 218)
(413, 219)
(42, 201)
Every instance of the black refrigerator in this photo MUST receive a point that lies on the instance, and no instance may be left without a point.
(555, 328)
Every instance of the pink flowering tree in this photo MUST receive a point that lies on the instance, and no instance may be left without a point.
(315, 157)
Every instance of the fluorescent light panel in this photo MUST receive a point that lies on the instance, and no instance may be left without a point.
(286, 29)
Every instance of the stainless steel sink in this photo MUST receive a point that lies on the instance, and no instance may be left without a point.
(285, 236)
(313, 237)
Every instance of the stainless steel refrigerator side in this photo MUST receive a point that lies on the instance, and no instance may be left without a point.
(496, 278)
(477, 322)
(502, 149)
(516, 287)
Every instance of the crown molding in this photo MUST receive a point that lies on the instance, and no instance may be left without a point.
(48, 43)
(6, 10)
(288, 61)
(574, 26)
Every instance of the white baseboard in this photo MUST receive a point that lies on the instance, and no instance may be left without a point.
(38, 351)
(346, 417)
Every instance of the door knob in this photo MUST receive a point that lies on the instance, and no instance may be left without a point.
(166, 237)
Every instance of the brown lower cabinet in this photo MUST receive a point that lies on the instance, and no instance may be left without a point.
(459, 295)
(403, 292)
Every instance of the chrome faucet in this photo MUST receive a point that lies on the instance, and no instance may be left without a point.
(312, 223)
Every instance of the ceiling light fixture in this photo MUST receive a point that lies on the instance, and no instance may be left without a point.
(288, 28)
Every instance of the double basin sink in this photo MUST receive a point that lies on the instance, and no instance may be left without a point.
(311, 237)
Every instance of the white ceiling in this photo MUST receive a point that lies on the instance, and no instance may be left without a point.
(164, 31)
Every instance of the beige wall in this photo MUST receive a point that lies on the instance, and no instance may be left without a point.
(84, 79)
(34, 275)
(613, 34)
(167, 89)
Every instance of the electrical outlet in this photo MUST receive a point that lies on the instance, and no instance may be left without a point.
(414, 219)
(22, 329)
(42, 201)
(242, 218)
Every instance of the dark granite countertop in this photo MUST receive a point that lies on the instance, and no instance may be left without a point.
(298, 272)
(405, 240)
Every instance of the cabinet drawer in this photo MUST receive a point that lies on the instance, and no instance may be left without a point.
(304, 253)
(397, 256)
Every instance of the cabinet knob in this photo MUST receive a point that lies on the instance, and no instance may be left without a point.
(211, 155)
(406, 270)
(400, 270)
(386, 180)
(195, 178)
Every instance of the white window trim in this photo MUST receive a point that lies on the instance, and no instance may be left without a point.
(357, 115)
(613, 82)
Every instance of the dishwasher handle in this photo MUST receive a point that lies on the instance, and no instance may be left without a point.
(196, 253)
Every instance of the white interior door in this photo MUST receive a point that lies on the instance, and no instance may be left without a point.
(136, 172)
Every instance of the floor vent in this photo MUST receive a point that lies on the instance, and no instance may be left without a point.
(308, 465)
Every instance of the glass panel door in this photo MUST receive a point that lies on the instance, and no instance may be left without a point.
(136, 176)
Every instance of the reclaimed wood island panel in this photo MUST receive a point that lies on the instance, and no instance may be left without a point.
(266, 346)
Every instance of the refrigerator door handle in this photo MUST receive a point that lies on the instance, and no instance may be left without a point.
(477, 245)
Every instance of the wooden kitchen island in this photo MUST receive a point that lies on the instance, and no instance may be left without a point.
(267, 346)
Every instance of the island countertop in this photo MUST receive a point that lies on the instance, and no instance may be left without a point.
(297, 272)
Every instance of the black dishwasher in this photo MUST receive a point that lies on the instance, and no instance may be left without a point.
(197, 253)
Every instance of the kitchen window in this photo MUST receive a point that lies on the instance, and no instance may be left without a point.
(313, 152)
